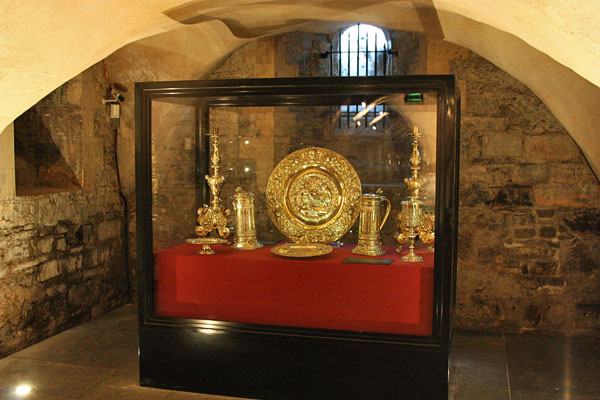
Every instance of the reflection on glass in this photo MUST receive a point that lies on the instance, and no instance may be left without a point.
(23, 390)
(381, 157)
(175, 183)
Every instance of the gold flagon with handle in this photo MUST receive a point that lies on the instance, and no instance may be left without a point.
(412, 221)
(371, 221)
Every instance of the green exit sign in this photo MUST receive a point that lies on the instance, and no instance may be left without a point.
(413, 98)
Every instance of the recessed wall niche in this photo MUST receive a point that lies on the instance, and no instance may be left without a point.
(40, 166)
(48, 145)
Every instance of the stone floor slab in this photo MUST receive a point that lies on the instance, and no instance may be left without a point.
(467, 393)
(519, 395)
(478, 361)
(49, 379)
(107, 348)
(554, 365)
(123, 318)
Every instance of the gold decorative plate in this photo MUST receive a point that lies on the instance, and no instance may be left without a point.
(313, 196)
(296, 250)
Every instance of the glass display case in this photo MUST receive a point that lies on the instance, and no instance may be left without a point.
(297, 237)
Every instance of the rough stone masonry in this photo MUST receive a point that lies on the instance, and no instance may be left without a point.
(62, 257)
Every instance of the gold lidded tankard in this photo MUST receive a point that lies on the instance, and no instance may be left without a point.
(245, 228)
(370, 224)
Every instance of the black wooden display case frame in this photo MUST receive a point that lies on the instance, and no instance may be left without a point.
(276, 362)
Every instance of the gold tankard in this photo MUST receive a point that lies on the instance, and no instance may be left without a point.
(245, 229)
(370, 224)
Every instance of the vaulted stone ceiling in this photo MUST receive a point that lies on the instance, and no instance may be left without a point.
(553, 46)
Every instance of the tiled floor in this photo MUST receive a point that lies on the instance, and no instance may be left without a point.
(517, 367)
(98, 360)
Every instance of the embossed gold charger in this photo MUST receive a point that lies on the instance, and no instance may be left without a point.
(313, 196)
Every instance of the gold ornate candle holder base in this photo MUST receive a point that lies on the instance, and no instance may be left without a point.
(411, 256)
(206, 242)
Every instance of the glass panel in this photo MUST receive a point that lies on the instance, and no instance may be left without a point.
(175, 188)
(326, 291)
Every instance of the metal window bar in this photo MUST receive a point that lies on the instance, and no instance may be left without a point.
(375, 63)
(348, 64)
(367, 53)
(357, 51)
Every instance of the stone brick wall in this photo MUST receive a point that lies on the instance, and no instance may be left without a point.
(529, 224)
(529, 231)
(61, 254)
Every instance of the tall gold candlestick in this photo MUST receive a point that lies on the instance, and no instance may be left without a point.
(214, 216)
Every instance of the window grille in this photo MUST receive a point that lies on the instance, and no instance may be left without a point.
(360, 50)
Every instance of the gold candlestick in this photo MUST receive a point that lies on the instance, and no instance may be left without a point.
(412, 221)
(214, 216)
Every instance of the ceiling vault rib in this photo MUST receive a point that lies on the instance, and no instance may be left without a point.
(429, 18)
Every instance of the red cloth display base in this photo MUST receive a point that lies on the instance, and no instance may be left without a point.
(322, 292)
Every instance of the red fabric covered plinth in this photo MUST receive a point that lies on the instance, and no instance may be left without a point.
(322, 292)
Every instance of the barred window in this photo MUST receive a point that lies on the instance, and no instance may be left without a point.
(363, 51)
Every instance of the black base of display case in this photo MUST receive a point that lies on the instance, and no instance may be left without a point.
(262, 366)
